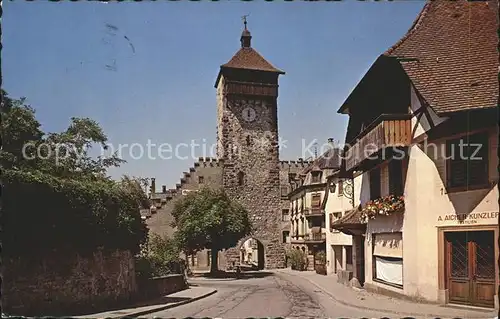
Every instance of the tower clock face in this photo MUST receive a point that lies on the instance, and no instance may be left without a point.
(249, 114)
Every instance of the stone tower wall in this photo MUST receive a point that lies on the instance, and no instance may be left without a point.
(249, 148)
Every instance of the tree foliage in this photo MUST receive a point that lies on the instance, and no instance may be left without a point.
(43, 214)
(160, 257)
(64, 154)
(209, 219)
(66, 202)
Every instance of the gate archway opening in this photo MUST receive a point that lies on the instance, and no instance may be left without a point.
(252, 254)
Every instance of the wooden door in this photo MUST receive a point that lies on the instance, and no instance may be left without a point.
(470, 267)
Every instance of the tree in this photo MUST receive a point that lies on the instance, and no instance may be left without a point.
(133, 185)
(64, 154)
(19, 126)
(209, 219)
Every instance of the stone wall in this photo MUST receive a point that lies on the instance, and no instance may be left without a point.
(161, 286)
(62, 285)
(249, 148)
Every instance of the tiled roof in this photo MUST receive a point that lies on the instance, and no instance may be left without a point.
(330, 159)
(352, 217)
(452, 54)
(248, 58)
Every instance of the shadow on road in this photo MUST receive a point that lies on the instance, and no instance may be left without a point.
(115, 309)
(231, 274)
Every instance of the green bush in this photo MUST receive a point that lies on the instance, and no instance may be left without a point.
(297, 259)
(321, 257)
(160, 258)
(45, 214)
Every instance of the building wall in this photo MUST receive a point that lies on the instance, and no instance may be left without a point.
(211, 170)
(428, 208)
(427, 205)
(337, 202)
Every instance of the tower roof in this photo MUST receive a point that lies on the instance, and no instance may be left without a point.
(450, 54)
(248, 58)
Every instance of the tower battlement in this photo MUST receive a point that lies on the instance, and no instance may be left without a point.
(299, 164)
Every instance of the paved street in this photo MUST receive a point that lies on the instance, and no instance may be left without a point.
(298, 296)
(271, 296)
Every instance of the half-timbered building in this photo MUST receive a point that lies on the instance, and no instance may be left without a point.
(422, 138)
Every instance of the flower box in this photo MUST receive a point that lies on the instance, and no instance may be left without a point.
(384, 206)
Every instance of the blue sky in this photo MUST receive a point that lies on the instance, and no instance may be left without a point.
(159, 86)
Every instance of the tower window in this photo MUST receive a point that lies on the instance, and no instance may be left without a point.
(200, 180)
(249, 140)
(241, 178)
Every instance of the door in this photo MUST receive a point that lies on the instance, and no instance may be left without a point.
(470, 267)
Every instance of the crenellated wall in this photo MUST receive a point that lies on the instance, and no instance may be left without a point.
(211, 170)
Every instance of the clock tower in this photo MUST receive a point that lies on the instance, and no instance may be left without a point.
(247, 142)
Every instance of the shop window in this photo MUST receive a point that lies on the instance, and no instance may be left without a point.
(387, 258)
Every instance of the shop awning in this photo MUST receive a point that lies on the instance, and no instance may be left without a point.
(350, 223)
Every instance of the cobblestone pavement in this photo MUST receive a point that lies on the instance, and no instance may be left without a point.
(271, 296)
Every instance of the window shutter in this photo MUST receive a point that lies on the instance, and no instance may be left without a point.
(316, 201)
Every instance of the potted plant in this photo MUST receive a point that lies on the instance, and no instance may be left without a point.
(320, 263)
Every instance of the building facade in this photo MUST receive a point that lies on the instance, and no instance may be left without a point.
(340, 200)
(307, 205)
(247, 164)
(428, 215)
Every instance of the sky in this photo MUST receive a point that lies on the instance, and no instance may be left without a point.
(145, 71)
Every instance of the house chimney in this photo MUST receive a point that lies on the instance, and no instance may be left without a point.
(331, 142)
(164, 189)
(153, 185)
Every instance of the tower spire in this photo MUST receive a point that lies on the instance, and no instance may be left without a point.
(246, 37)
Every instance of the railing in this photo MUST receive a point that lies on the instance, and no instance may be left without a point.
(388, 130)
(297, 239)
(315, 237)
(314, 211)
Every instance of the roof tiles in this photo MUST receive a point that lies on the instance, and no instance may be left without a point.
(250, 59)
(455, 44)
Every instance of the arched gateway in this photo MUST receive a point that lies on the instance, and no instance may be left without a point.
(247, 111)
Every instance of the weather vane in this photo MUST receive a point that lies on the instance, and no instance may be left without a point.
(245, 20)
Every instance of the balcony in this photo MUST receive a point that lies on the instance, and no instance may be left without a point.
(297, 239)
(388, 130)
(315, 211)
(315, 237)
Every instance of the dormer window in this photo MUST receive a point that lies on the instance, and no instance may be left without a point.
(316, 176)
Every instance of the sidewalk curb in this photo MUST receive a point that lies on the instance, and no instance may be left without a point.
(373, 309)
(164, 307)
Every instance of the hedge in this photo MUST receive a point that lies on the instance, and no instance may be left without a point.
(44, 214)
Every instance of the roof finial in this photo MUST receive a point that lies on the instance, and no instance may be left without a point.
(245, 20)
(245, 35)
